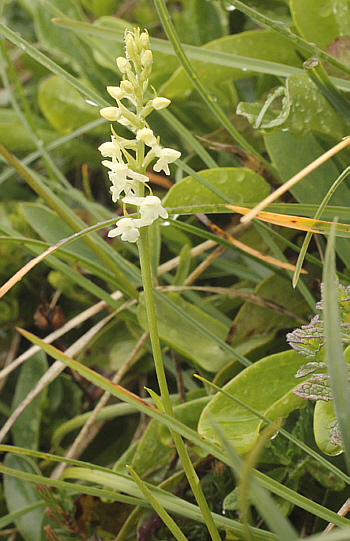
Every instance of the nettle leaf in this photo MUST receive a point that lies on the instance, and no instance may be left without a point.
(309, 368)
(308, 339)
(303, 108)
(318, 388)
(266, 386)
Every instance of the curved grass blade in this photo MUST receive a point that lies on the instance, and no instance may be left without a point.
(109, 259)
(318, 214)
(336, 365)
(174, 424)
(109, 478)
(7, 519)
(33, 262)
(259, 496)
(198, 53)
(159, 509)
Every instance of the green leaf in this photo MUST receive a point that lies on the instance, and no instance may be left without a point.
(266, 386)
(324, 416)
(63, 106)
(241, 185)
(155, 448)
(321, 22)
(254, 326)
(53, 229)
(25, 430)
(258, 44)
(184, 337)
(19, 494)
(197, 22)
(304, 108)
(53, 39)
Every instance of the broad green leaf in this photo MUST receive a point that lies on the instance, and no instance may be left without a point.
(53, 229)
(258, 324)
(25, 430)
(266, 386)
(198, 22)
(321, 21)
(304, 109)
(99, 7)
(259, 44)
(110, 348)
(20, 494)
(54, 39)
(324, 416)
(290, 155)
(63, 106)
(239, 184)
(155, 448)
(16, 138)
(185, 338)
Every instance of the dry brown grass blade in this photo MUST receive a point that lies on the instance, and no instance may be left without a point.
(293, 222)
(294, 180)
(247, 249)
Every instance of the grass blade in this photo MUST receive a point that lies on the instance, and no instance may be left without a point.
(334, 348)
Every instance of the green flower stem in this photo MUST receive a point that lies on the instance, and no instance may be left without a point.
(163, 387)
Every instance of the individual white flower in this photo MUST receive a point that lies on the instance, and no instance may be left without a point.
(107, 149)
(116, 92)
(150, 208)
(110, 113)
(126, 227)
(111, 149)
(160, 103)
(166, 156)
(146, 135)
(132, 199)
(118, 178)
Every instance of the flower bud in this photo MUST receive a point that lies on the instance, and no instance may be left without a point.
(160, 103)
(110, 113)
(144, 40)
(146, 58)
(123, 64)
(130, 46)
(115, 92)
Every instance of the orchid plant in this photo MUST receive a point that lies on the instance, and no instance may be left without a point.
(129, 159)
